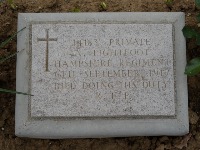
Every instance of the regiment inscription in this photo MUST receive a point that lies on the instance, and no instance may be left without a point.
(102, 70)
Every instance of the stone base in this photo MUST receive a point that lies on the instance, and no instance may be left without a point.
(41, 116)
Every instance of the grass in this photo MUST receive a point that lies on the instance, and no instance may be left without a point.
(11, 3)
(2, 60)
(103, 6)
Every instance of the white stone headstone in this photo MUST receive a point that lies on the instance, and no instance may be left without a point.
(101, 75)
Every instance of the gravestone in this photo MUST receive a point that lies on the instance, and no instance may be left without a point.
(101, 75)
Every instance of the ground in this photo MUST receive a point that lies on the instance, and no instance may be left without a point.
(8, 25)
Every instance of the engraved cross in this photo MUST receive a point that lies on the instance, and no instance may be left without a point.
(47, 39)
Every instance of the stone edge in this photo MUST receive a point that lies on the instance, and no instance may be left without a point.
(25, 127)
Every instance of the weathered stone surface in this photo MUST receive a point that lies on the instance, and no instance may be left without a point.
(102, 70)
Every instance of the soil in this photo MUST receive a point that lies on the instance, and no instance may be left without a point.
(8, 25)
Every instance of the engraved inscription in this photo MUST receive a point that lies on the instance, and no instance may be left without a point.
(102, 70)
(47, 39)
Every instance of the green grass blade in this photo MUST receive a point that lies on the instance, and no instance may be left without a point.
(76, 10)
(6, 58)
(103, 5)
(10, 38)
(12, 92)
